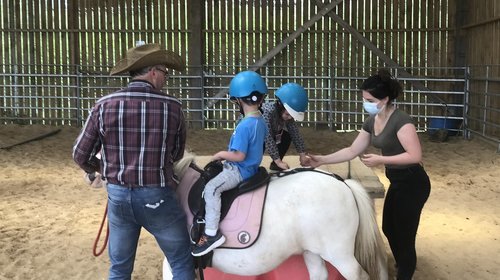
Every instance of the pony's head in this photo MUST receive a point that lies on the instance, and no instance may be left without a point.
(182, 165)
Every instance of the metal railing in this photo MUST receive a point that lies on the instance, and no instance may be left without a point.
(63, 94)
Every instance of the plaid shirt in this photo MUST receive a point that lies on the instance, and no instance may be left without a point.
(139, 132)
(275, 125)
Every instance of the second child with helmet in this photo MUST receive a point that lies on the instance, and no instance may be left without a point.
(242, 158)
(280, 117)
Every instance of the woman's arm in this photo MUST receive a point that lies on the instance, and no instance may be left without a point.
(357, 147)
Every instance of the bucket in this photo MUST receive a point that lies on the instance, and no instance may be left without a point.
(437, 123)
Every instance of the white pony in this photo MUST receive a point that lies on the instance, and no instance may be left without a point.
(313, 214)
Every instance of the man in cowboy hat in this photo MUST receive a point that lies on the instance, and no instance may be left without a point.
(140, 132)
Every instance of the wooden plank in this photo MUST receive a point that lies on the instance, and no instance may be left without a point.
(408, 39)
(423, 35)
(251, 33)
(415, 34)
(217, 35)
(265, 27)
(304, 44)
(360, 49)
(278, 29)
(114, 50)
(223, 47)
(124, 44)
(236, 33)
(175, 28)
(209, 34)
(289, 27)
(132, 24)
(107, 33)
(230, 24)
(183, 35)
(244, 45)
(323, 11)
(4, 36)
(368, 26)
(24, 44)
(56, 27)
(18, 55)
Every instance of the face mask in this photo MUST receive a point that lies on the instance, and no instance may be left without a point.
(371, 108)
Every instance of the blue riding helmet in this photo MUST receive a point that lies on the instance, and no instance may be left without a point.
(245, 83)
(294, 98)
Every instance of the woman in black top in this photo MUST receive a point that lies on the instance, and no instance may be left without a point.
(393, 132)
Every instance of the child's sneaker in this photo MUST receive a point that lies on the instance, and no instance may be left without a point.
(208, 243)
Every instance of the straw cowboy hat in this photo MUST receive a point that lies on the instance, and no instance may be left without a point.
(148, 55)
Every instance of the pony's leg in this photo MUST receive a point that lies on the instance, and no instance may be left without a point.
(348, 266)
(315, 266)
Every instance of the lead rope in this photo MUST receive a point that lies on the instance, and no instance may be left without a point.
(96, 254)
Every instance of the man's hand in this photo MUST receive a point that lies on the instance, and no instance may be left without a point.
(94, 179)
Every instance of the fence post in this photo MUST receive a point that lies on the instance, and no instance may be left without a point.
(330, 95)
(467, 76)
(203, 108)
(485, 108)
(78, 95)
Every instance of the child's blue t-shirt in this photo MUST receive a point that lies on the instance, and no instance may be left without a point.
(248, 138)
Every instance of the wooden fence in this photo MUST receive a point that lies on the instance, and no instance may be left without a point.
(48, 44)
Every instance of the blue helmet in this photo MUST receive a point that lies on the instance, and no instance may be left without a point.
(245, 83)
(294, 98)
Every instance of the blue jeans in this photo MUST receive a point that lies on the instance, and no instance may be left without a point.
(159, 212)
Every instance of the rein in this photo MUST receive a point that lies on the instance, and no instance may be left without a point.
(303, 169)
(94, 251)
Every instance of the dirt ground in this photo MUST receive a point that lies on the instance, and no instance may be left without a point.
(49, 217)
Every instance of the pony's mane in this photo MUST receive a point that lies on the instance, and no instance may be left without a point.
(181, 165)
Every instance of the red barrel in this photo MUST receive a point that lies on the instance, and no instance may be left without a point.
(292, 269)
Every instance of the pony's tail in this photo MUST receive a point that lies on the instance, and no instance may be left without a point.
(369, 248)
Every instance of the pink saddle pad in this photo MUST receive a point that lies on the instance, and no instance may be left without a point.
(241, 226)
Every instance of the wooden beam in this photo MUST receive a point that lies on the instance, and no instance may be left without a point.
(484, 22)
(276, 50)
(401, 71)
(196, 18)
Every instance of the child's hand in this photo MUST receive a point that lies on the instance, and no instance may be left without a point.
(281, 164)
(216, 157)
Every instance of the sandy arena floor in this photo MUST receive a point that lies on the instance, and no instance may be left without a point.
(49, 218)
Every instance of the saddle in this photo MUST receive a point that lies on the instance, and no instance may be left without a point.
(241, 207)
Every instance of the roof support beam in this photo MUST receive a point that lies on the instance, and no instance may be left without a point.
(276, 50)
(401, 71)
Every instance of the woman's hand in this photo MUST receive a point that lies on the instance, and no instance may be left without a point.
(371, 160)
(314, 160)
(304, 159)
